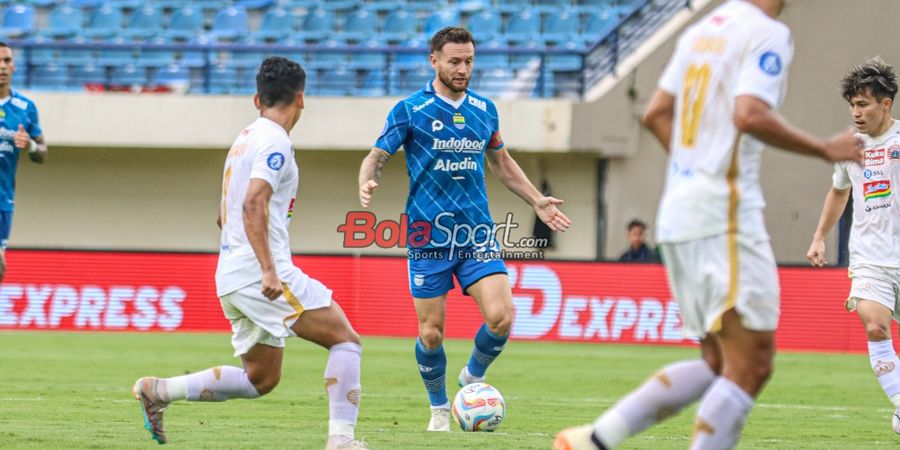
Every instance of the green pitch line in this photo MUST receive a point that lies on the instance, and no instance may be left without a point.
(73, 391)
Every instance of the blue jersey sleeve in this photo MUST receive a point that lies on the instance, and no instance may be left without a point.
(34, 126)
(396, 129)
(496, 142)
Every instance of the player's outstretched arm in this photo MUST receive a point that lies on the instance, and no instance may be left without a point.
(256, 224)
(512, 176)
(659, 116)
(754, 116)
(835, 202)
(370, 174)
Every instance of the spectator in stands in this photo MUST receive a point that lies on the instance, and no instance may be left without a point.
(20, 130)
(638, 251)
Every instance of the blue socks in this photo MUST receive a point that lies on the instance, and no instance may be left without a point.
(433, 369)
(487, 347)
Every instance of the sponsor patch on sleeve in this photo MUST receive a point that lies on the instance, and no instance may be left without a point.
(770, 63)
(275, 161)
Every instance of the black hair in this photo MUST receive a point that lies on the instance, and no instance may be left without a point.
(456, 35)
(279, 80)
(875, 76)
(636, 223)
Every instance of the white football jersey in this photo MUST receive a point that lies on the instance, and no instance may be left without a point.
(263, 151)
(875, 235)
(712, 184)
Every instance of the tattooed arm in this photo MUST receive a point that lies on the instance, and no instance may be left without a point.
(370, 174)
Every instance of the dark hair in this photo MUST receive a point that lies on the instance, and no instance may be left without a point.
(456, 35)
(636, 223)
(874, 75)
(4, 44)
(279, 80)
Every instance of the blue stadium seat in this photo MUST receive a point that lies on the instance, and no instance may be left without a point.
(522, 60)
(560, 27)
(246, 81)
(144, 23)
(50, 77)
(299, 4)
(277, 24)
(428, 5)
(492, 83)
(597, 25)
(77, 56)
(41, 55)
(471, 6)
(196, 58)
(414, 80)
(128, 75)
(323, 58)
(514, 6)
(297, 55)
(373, 59)
(566, 62)
(340, 5)
(360, 25)
(104, 23)
(171, 75)
(255, 4)
(523, 27)
(386, 5)
(186, 24)
(87, 74)
(551, 6)
(442, 19)
(593, 6)
(491, 60)
(64, 22)
(244, 59)
(399, 26)
(413, 60)
(85, 4)
(223, 80)
(230, 24)
(42, 4)
(156, 57)
(18, 22)
(318, 25)
(113, 57)
(373, 84)
(126, 5)
(485, 25)
(336, 82)
(211, 5)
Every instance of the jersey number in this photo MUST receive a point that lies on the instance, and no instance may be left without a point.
(696, 81)
(225, 181)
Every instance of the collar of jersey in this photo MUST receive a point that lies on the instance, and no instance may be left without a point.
(429, 89)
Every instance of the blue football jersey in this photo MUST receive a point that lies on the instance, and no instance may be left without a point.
(16, 110)
(444, 149)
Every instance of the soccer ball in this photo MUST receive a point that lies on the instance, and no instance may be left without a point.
(479, 407)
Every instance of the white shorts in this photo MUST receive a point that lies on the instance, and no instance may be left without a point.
(257, 320)
(875, 283)
(711, 275)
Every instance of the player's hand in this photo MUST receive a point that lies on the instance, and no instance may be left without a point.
(845, 146)
(551, 215)
(816, 253)
(271, 285)
(365, 193)
(21, 138)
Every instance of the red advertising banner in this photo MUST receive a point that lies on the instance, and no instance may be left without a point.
(556, 301)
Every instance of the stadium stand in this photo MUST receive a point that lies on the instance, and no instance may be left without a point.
(546, 41)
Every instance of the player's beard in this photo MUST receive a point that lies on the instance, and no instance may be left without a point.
(448, 81)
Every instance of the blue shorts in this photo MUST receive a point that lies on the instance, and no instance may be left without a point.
(5, 228)
(431, 270)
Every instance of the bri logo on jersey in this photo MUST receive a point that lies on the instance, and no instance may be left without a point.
(876, 189)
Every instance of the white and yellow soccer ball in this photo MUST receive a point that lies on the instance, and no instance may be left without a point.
(479, 407)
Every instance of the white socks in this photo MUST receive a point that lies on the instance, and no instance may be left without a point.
(721, 416)
(675, 386)
(887, 368)
(343, 387)
(211, 385)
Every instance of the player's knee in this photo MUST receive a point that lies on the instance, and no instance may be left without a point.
(763, 371)
(714, 361)
(266, 384)
(878, 331)
(500, 324)
(432, 337)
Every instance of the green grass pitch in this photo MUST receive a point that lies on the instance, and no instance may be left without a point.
(73, 391)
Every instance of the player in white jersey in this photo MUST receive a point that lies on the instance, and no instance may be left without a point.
(875, 234)
(715, 110)
(264, 296)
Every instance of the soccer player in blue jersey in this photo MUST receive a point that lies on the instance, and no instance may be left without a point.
(447, 131)
(20, 130)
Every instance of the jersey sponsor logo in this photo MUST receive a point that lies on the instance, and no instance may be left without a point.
(418, 108)
(770, 63)
(19, 103)
(455, 166)
(883, 368)
(869, 173)
(875, 157)
(6, 147)
(459, 121)
(291, 208)
(876, 189)
(275, 161)
(436, 125)
(894, 152)
(480, 104)
(457, 144)
(419, 279)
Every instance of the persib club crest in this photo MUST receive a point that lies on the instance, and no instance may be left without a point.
(459, 121)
